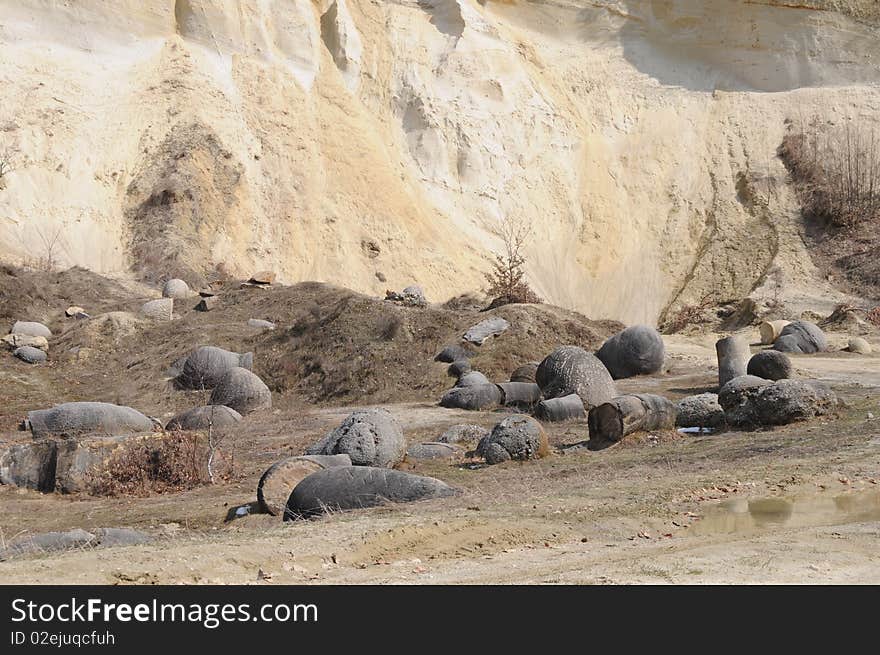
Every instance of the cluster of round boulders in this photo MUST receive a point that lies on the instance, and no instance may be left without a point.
(770, 365)
(279, 480)
(78, 418)
(517, 437)
(565, 408)
(175, 288)
(206, 417)
(453, 353)
(700, 411)
(241, 390)
(206, 366)
(637, 350)
(525, 373)
(356, 487)
(478, 397)
(801, 337)
(571, 369)
(30, 354)
(370, 437)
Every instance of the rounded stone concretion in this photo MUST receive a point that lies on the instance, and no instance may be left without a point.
(566, 408)
(204, 418)
(206, 365)
(370, 437)
(279, 480)
(73, 419)
(525, 373)
(787, 401)
(700, 411)
(458, 368)
(357, 487)
(432, 450)
(859, 345)
(159, 310)
(451, 354)
(30, 354)
(175, 288)
(31, 329)
(801, 337)
(463, 433)
(517, 437)
(735, 399)
(770, 365)
(637, 350)
(241, 390)
(472, 379)
(484, 396)
(571, 369)
(733, 358)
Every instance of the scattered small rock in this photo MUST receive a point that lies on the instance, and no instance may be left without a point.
(260, 324)
(491, 327)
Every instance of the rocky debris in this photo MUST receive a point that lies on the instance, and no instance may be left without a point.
(74, 539)
(472, 379)
(14, 341)
(262, 277)
(484, 396)
(571, 369)
(517, 437)
(637, 350)
(801, 337)
(459, 368)
(521, 395)
(733, 358)
(700, 411)
(641, 412)
(356, 487)
(30, 465)
(370, 437)
(241, 390)
(207, 292)
(82, 418)
(31, 329)
(491, 327)
(463, 433)
(279, 480)
(207, 303)
(161, 309)
(743, 314)
(770, 331)
(206, 365)
(859, 345)
(30, 354)
(735, 399)
(411, 296)
(525, 373)
(260, 324)
(451, 354)
(74, 311)
(175, 288)
(564, 408)
(782, 402)
(770, 365)
(206, 417)
(433, 450)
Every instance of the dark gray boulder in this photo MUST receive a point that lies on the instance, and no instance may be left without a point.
(787, 401)
(571, 369)
(525, 373)
(770, 365)
(517, 437)
(451, 354)
(204, 418)
(356, 487)
(30, 465)
(700, 411)
(203, 368)
(81, 418)
(463, 433)
(31, 329)
(565, 408)
(637, 412)
(491, 327)
(47, 542)
(637, 350)
(472, 379)
(801, 337)
(458, 368)
(279, 480)
(370, 437)
(241, 390)
(30, 354)
(736, 397)
(484, 396)
(733, 358)
(522, 395)
(432, 450)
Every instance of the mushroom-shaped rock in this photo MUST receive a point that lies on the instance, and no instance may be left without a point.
(31, 329)
(525, 373)
(483, 396)
(517, 437)
(241, 390)
(356, 487)
(463, 433)
(637, 350)
(801, 337)
(175, 288)
(565, 408)
(491, 327)
(80, 418)
(735, 399)
(770, 365)
(571, 369)
(770, 331)
(30, 354)
(859, 345)
(700, 411)
(451, 354)
(279, 480)
(161, 309)
(370, 437)
(204, 367)
(206, 417)
(472, 379)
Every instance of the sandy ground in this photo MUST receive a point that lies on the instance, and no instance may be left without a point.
(799, 504)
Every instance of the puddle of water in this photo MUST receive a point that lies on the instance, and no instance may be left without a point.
(740, 515)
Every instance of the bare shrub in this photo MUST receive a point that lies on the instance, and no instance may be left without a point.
(874, 316)
(686, 315)
(507, 283)
(9, 160)
(836, 171)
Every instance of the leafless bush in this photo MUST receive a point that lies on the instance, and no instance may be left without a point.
(836, 171)
(9, 160)
(507, 283)
(686, 315)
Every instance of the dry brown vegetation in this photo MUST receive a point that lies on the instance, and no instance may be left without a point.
(507, 283)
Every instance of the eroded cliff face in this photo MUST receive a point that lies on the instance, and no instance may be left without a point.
(375, 144)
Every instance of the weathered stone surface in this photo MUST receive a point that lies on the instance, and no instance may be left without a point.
(77, 538)
(262, 277)
(241, 390)
(860, 346)
(525, 373)
(637, 350)
(161, 309)
(801, 337)
(356, 487)
(206, 417)
(30, 354)
(458, 368)
(642, 412)
(770, 331)
(453, 353)
(463, 433)
(81, 418)
(370, 437)
(14, 341)
(484, 396)
(522, 395)
(205, 366)
(733, 358)
(735, 399)
(279, 480)
(491, 327)
(564, 408)
(74, 310)
(207, 303)
(571, 369)
(472, 379)
(770, 365)
(261, 324)
(433, 450)
(517, 437)
(31, 328)
(780, 403)
(175, 288)
(30, 465)
(700, 411)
